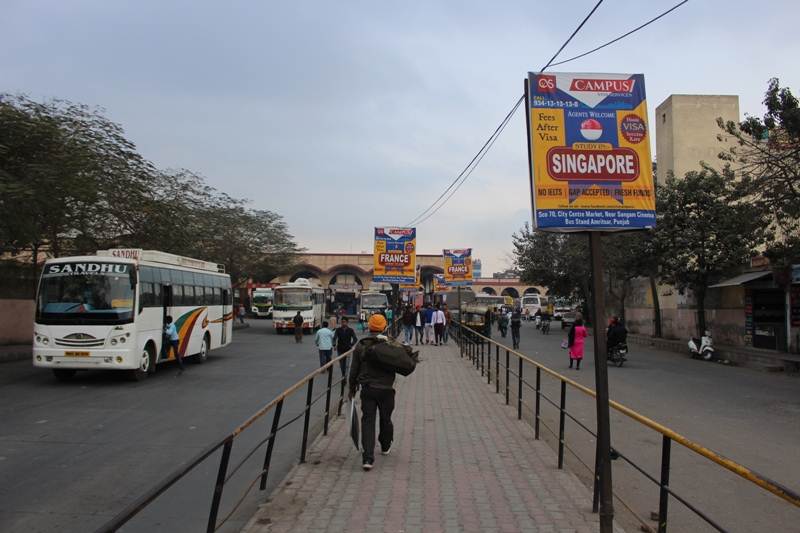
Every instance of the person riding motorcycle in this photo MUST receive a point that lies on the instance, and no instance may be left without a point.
(616, 334)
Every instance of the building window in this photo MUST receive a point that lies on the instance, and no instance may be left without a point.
(663, 118)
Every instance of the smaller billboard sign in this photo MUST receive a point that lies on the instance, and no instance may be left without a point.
(457, 266)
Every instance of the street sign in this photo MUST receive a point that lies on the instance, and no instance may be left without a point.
(395, 255)
(589, 152)
(457, 266)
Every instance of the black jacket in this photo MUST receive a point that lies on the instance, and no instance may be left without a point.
(364, 373)
(344, 339)
(297, 321)
(616, 334)
(408, 317)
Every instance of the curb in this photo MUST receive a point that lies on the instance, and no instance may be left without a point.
(15, 354)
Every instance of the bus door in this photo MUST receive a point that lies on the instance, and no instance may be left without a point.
(226, 301)
(166, 303)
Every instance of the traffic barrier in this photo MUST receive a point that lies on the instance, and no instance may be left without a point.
(471, 346)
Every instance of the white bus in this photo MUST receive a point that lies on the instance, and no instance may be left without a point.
(292, 297)
(262, 302)
(108, 311)
(532, 303)
(374, 302)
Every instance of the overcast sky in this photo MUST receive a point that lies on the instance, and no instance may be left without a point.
(342, 116)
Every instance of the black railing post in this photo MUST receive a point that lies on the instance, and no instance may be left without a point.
(561, 425)
(519, 390)
(538, 402)
(663, 499)
(341, 392)
(481, 362)
(223, 470)
(497, 369)
(596, 488)
(271, 444)
(508, 370)
(328, 401)
(309, 396)
(488, 364)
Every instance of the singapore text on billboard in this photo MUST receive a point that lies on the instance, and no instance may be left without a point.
(395, 255)
(457, 266)
(590, 152)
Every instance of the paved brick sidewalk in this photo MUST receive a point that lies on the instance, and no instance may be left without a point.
(461, 461)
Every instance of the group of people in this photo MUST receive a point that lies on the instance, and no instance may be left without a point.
(616, 334)
(506, 316)
(428, 324)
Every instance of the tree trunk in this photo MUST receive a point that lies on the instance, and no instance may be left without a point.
(656, 307)
(34, 259)
(700, 296)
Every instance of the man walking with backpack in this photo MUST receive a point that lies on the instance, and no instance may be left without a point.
(377, 393)
(344, 338)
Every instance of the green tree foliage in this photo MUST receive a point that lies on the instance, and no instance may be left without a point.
(766, 161)
(703, 232)
(71, 182)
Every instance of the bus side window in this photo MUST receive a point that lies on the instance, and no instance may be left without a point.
(156, 302)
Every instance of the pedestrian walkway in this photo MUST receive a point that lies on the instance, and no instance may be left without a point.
(461, 461)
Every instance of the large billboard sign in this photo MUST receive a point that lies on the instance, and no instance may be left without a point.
(395, 255)
(590, 152)
(457, 266)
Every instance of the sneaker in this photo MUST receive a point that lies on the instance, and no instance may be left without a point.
(367, 466)
(387, 451)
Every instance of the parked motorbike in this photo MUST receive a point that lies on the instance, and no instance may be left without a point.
(618, 354)
(702, 348)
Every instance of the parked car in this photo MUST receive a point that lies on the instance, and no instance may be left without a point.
(567, 319)
(559, 311)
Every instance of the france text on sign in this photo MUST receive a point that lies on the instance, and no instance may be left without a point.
(395, 255)
(457, 266)
(590, 152)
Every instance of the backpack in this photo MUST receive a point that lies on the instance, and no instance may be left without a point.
(392, 356)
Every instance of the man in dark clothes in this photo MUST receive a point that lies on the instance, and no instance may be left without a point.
(298, 327)
(344, 338)
(377, 394)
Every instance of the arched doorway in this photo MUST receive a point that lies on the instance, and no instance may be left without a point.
(510, 291)
(345, 288)
(489, 290)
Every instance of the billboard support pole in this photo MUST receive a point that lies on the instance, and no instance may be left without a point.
(601, 385)
(396, 309)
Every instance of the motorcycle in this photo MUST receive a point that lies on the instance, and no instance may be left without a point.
(618, 354)
(702, 348)
(545, 326)
(537, 320)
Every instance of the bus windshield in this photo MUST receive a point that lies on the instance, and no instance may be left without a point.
(373, 301)
(262, 298)
(86, 293)
(293, 298)
(530, 300)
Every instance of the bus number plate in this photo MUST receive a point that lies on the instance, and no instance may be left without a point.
(76, 354)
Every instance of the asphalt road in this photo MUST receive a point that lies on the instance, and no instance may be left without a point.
(749, 416)
(73, 454)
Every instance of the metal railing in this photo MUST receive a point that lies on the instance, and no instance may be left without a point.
(478, 349)
(224, 473)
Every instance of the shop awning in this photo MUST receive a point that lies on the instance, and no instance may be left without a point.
(742, 279)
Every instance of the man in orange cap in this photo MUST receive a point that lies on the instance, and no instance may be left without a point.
(377, 394)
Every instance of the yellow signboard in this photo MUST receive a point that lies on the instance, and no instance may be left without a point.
(395, 255)
(457, 266)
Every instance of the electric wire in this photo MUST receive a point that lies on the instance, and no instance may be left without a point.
(593, 50)
(462, 177)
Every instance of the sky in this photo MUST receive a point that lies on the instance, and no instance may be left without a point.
(343, 116)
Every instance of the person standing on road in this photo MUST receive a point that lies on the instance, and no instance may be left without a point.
(377, 394)
(408, 324)
(438, 326)
(324, 341)
(516, 324)
(298, 327)
(575, 341)
(173, 340)
(428, 324)
(241, 314)
(344, 338)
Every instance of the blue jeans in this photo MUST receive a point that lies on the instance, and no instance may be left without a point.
(408, 333)
(325, 357)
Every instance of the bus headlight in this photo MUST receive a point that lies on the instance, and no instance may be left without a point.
(42, 339)
(119, 339)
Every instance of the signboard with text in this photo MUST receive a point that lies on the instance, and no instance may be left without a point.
(457, 266)
(395, 255)
(590, 152)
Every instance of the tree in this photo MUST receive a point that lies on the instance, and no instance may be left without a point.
(704, 233)
(766, 162)
(627, 256)
(559, 261)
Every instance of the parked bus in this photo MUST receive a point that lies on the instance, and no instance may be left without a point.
(531, 303)
(108, 311)
(262, 302)
(292, 297)
(372, 302)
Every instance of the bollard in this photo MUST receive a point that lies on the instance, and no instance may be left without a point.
(663, 499)
(561, 425)
(538, 402)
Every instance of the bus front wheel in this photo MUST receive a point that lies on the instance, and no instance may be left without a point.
(64, 374)
(147, 363)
